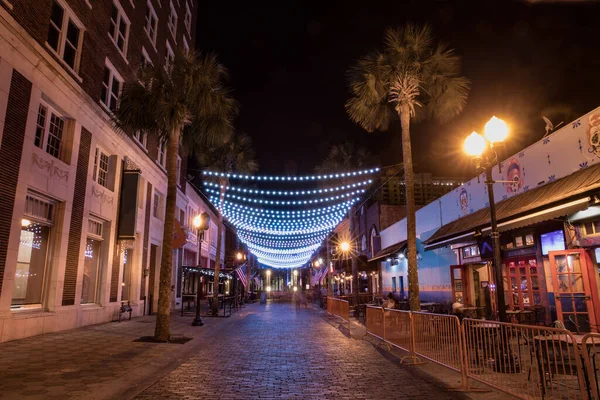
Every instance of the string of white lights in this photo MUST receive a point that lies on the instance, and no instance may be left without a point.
(290, 178)
(293, 224)
(287, 202)
(283, 213)
(289, 192)
(248, 227)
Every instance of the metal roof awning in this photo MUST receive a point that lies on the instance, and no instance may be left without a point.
(556, 199)
(395, 248)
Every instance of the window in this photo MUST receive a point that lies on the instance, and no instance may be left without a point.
(119, 27)
(33, 254)
(169, 57)
(49, 131)
(91, 264)
(101, 167)
(65, 35)
(162, 153)
(111, 86)
(188, 18)
(151, 23)
(126, 276)
(172, 23)
(158, 205)
(146, 61)
(141, 137)
(186, 48)
(591, 228)
(470, 251)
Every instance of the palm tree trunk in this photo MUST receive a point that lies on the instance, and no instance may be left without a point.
(215, 303)
(411, 226)
(161, 332)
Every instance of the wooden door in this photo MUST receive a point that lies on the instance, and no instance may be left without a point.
(522, 277)
(576, 298)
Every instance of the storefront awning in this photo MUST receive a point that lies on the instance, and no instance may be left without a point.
(393, 249)
(556, 199)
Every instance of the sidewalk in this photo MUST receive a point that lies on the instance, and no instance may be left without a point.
(100, 361)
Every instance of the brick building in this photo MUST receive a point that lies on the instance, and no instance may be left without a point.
(81, 205)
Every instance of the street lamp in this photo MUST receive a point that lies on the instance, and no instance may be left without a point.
(484, 151)
(345, 246)
(239, 256)
(268, 280)
(201, 223)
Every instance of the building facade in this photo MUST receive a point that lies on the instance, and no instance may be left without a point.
(82, 205)
(547, 198)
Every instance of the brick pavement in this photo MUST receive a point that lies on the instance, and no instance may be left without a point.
(278, 351)
(98, 362)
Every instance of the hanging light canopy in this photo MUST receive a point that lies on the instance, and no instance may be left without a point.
(284, 221)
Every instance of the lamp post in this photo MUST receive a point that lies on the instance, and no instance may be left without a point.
(201, 223)
(485, 153)
(268, 281)
(345, 248)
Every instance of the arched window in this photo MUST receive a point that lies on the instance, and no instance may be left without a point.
(373, 235)
(364, 243)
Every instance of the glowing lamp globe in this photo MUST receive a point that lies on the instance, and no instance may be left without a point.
(197, 221)
(345, 246)
(239, 256)
(496, 130)
(474, 145)
(295, 272)
(295, 288)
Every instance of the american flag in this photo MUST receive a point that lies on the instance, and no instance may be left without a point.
(241, 273)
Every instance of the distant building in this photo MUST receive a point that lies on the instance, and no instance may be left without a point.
(427, 187)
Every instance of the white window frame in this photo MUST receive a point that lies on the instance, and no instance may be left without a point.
(121, 16)
(113, 74)
(158, 205)
(68, 15)
(161, 157)
(141, 138)
(152, 36)
(186, 47)
(169, 56)
(50, 111)
(146, 56)
(98, 153)
(187, 20)
(98, 237)
(173, 20)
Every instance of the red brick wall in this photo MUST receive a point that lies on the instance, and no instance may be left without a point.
(76, 225)
(11, 150)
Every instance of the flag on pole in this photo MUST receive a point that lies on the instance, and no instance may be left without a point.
(241, 273)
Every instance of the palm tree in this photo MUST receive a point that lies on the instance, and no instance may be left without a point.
(413, 78)
(187, 100)
(343, 157)
(235, 155)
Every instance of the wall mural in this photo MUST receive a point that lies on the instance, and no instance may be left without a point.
(573, 147)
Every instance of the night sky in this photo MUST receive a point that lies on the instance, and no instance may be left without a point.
(288, 63)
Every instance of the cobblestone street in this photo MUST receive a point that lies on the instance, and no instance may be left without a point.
(272, 351)
(279, 351)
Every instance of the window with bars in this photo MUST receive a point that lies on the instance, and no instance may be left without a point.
(38, 208)
(111, 86)
(49, 131)
(65, 35)
(151, 23)
(95, 228)
(101, 166)
(119, 27)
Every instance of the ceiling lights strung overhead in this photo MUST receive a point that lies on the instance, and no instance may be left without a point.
(284, 221)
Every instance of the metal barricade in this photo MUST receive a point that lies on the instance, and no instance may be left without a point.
(438, 338)
(525, 361)
(398, 329)
(590, 351)
(374, 321)
(339, 308)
